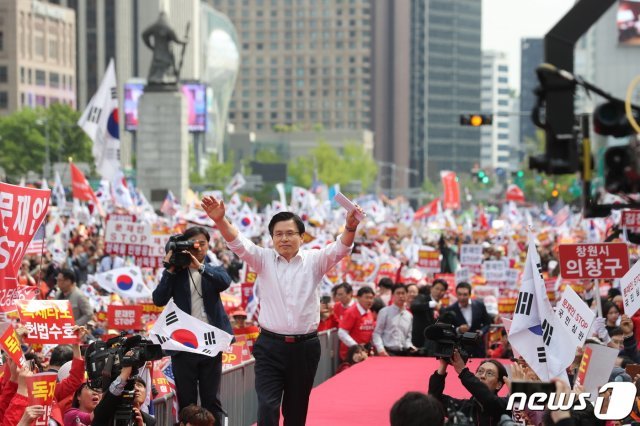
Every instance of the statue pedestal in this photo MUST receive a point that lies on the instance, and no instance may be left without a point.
(162, 152)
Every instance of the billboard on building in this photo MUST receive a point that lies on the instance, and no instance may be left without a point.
(195, 94)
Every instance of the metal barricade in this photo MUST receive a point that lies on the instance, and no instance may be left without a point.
(237, 391)
(162, 409)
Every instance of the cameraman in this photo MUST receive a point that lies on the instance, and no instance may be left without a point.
(485, 406)
(196, 289)
(105, 410)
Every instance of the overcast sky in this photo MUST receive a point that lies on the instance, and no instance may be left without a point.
(505, 22)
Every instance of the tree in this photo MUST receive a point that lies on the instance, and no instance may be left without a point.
(23, 135)
(353, 165)
(217, 174)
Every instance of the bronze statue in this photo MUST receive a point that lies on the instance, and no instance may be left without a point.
(163, 70)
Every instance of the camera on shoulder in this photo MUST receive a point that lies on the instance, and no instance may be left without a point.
(178, 245)
(104, 360)
(446, 339)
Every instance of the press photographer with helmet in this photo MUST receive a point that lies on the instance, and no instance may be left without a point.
(485, 407)
(195, 287)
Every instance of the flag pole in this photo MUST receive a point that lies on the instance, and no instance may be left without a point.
(598, 298)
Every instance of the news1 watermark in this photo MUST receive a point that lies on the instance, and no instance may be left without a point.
(621, 400)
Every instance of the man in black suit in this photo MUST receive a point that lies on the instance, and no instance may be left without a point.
(425, 309)
(470, 315)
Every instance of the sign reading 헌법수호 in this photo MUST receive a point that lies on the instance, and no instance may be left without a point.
(125, 237)
(599, 260)
(48, 321)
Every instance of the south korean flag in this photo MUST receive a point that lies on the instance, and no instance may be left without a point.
(127, 282)
(534, 333)
(175, 330)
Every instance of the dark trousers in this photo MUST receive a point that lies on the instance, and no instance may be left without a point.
(193, 372)
(284, 373)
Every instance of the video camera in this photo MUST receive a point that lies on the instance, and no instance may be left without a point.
(177, 243)
(105, 360)
(445, 339)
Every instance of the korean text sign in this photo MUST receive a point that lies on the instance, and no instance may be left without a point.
(41, 388)
(48, 321)
(125, 317)
(600, 260)
(575, 315)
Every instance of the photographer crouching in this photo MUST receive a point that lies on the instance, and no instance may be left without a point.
(485, 406)
(106, 411)
(195, 287)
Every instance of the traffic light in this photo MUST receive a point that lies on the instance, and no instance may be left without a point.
(476, 120)
(619, 173)
(610, 119)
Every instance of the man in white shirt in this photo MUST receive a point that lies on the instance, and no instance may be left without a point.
(288, 350)
(392, 335)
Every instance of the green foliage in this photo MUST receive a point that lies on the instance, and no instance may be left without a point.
(332, 167)
(23, 139)
(217, 174)
(262, 156)
(538, 187)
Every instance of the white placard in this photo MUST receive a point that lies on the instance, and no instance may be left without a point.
(595, 367)
(494, 270)
(471, 254)
(463, 274)
(630, 285)
(574, 315)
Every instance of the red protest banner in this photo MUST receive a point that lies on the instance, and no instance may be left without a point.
(124, 317)
(631, 220)
(600, 260)
(11, 345)
(48, 321)
(22, 211)
(232, 356)
(451, 189)
(40, 389)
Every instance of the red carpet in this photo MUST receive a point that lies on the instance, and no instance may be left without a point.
(365, 393)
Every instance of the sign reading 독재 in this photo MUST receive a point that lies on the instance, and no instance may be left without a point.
(48, 321)
(41, 389)
(598, 260)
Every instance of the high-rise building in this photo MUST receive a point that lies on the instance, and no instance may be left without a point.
(303, 62)
(445, 82)
(37, 55)
(531, 56)
(391, 93)
(495, 139)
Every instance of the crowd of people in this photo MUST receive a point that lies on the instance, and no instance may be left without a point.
(384, 318)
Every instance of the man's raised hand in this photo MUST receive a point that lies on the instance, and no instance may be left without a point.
(215, 209)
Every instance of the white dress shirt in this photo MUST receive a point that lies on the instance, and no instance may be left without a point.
(393, 329)
(467, 313)
(289, 291)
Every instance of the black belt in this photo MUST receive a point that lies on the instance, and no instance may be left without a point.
(289, 338)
